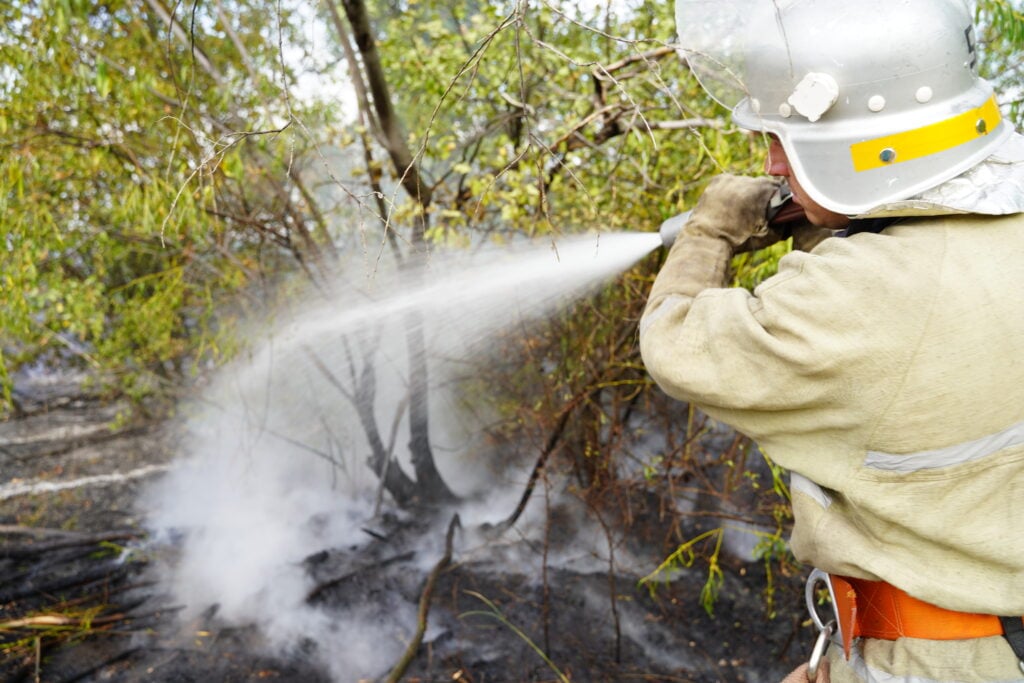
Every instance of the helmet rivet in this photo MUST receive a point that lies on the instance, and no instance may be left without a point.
(876, 103)
(785, 111)
(923, 94)
(887, 155)
(981, 126)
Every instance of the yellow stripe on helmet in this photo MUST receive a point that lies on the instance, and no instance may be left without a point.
(930, 139)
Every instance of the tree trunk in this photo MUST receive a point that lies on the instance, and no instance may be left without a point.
(431, 486)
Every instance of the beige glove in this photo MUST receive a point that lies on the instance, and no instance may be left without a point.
(733, 208)
(729, 213)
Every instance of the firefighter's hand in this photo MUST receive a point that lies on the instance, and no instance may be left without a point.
(733, 208)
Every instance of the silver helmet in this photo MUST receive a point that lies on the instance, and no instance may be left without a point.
(874, 101)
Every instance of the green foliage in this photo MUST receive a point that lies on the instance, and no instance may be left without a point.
(772, 550)
(1001, 35)
(754, 267)
(538, 122)
(130, 158)
(684, 556)
(154, 170)
(533, 121)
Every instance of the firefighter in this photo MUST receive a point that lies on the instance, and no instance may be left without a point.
(884, 367)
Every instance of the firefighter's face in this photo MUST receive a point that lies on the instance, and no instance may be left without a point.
(778, 165)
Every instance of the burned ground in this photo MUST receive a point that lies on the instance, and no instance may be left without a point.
(81, 597)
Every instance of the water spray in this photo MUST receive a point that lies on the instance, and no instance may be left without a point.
(780, 211)
(273, 471)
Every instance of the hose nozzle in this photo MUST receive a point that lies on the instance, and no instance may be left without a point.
(669, 230)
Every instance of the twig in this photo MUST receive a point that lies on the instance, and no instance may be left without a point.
(50, 622)
(178, 31)
(428, 590)
(649, 55)
(538, 467)
(40, 620)
(549, 448)
(545, 584)
(612, 587)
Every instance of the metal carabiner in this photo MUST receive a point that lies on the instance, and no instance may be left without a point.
(817, 576)
(820, 648)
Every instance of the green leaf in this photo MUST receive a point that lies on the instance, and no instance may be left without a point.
(232, 166)
(102, 79)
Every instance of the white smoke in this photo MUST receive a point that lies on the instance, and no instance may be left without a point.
(273, 466)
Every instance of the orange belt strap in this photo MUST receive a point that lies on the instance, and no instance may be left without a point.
(875, 609)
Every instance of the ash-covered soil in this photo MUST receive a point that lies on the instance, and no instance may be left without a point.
(81, 597)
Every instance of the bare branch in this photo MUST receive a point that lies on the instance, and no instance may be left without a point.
(179, 32)
(362, 398)
(646, 57)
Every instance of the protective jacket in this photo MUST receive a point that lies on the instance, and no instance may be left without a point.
(886, 372)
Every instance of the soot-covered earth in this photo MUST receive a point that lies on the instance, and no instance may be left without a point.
(87, 593)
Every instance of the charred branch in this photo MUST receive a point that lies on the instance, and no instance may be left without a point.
(538, 469)
(362, 397)
(80, 579)
(100, 666)
(35, 549)
(317, 594)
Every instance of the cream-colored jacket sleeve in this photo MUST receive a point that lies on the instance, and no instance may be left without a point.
(854, 367)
